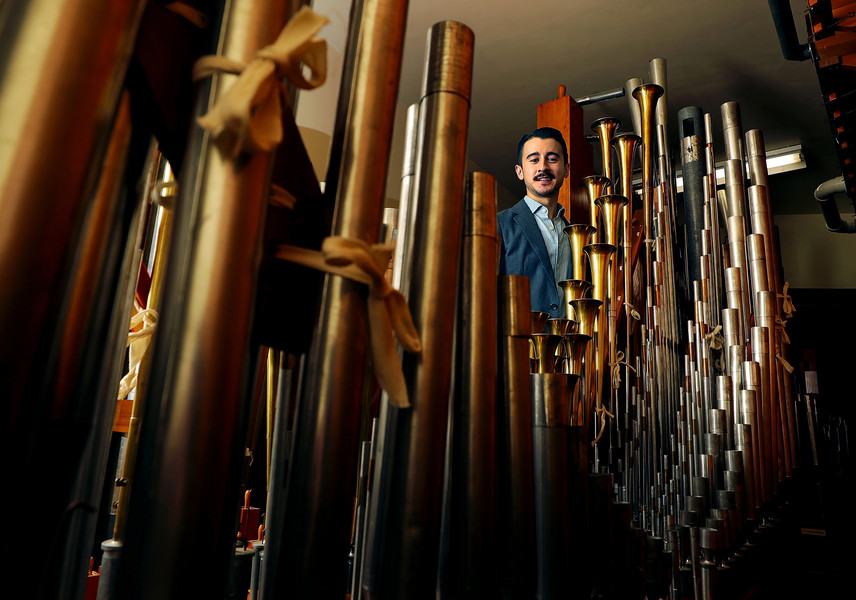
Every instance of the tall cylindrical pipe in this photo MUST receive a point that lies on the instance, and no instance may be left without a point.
(321, 476)
(407, 563)
(193, 431)
(471, 557)
(691, 132)
(515, 484)
(51, 155)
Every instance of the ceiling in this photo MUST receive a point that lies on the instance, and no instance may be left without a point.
(716, 52)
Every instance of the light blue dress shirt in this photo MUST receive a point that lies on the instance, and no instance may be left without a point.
(553, 232)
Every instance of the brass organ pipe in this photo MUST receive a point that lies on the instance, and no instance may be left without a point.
(626, 146)
(406, 565)
(579, 236)
(211, 276)
(321, 478)
(605, 128)
(611, 207)
(92, 340)
(595, 186)
(471, 558)
(646, 95)
(164, 236)
(44, 193)
(586, 311)
(574, 289)
(515, 499)
(599, 258)
(51, 155)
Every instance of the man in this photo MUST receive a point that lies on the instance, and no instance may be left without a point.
(533, 239)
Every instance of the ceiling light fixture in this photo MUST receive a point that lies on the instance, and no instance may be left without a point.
(781, 160)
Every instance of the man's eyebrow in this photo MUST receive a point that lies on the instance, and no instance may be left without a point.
(552, 154)
(531, 154)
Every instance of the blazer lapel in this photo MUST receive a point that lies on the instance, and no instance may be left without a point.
(526, 220)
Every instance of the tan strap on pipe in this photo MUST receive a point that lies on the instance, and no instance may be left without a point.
(601, 410)
(281, 197)
(189, 13)
(788, 366)
(787, 304)
(616, 369)
(715, 338)
(248, 117)
(388, 312)
(139, 344)
(632, 311)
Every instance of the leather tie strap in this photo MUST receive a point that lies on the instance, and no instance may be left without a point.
(388, 312)
(248, 117)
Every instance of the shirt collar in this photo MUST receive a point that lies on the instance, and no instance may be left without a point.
(534, 206)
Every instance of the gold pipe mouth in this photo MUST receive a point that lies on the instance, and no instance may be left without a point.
(579, 235)
(559, 326)
(586, 311)
(544, 346)
(537, 321)
(611, 209)
(574, 346)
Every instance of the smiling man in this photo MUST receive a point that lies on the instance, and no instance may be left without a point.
(532, 231)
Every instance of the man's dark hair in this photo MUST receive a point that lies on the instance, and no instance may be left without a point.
(542, 133)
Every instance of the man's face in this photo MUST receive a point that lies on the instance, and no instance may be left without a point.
(543, 168)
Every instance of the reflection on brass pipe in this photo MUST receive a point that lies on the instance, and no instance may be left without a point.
(514, 306)
(611, 207)
(545, 346)
(575, 349)
(404, 242)
(599, 258)
(595, 187)
(469, 563)
(211, 277)
(56, 110)
(647, 95)
(164, 235)
(406, 566)
(579, 236)
(560, 326)
(625, 145)
(586, 311)
(605, 128)
(537, 321)
(514, 433)
(574, 289)
(321, 478)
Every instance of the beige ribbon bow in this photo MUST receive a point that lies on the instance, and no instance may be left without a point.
(387, 309)
(138, 341)
(616, 369)
(603, 413)
(248, 117)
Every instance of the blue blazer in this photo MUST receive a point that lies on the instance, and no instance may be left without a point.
(522, 252)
